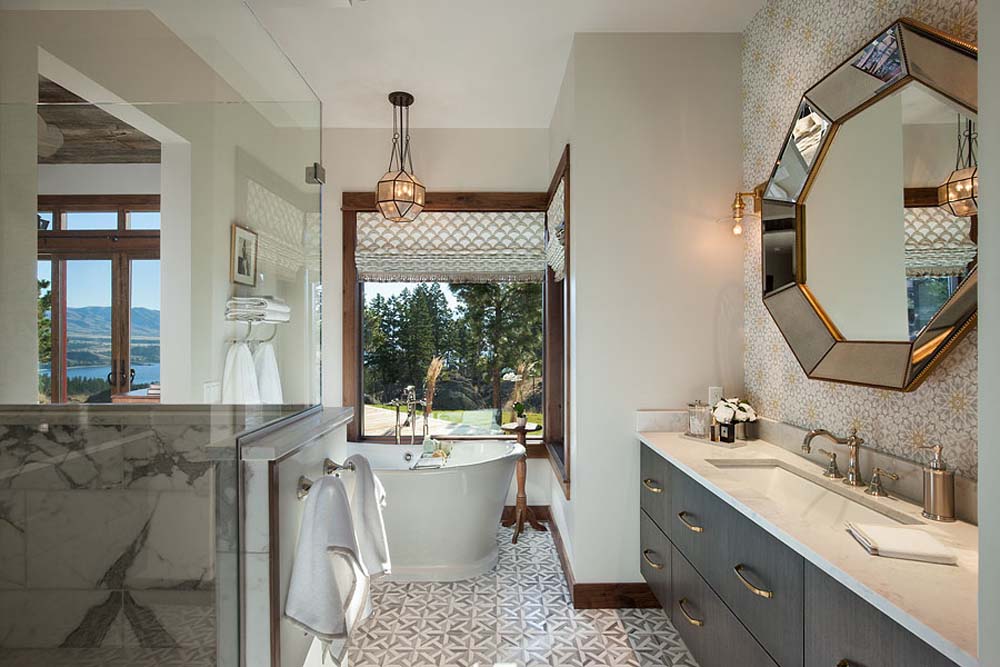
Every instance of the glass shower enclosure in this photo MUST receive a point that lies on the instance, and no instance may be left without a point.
(159, 296)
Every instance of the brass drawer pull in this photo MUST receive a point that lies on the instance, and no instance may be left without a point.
(750, 587)
(690, 526)
(651, 485)
(690, 619)
(653, 564)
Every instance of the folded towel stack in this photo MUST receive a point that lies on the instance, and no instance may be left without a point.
(258, 308)
(905, 543)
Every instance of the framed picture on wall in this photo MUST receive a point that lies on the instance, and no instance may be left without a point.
(243, 256)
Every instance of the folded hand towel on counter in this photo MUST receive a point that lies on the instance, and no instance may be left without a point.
(369, 526)
(268, 378)
(905, 543)
(239, 379)
(257, 303)
(328, 590)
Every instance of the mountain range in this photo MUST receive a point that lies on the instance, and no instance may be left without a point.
(96, 321)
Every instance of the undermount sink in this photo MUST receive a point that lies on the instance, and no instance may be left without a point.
(826, 502)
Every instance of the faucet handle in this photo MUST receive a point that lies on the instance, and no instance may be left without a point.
(832, 470)
(875, 485)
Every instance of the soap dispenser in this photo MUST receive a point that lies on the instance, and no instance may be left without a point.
(939, 488)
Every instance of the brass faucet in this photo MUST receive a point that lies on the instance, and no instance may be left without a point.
(853, 442)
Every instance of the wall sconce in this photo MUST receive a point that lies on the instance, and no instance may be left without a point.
(740, 208)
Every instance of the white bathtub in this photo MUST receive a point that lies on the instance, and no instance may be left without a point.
(442, 524)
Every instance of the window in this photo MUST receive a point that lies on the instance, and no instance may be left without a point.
(98, 297)
(469, 350)
(453, 305)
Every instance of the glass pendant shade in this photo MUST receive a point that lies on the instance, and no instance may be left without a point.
(400, 196)
(959, 195)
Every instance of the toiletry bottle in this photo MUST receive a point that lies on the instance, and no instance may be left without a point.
(939, 488)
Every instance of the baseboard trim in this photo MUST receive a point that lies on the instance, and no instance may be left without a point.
(601, 596)
(541, 512)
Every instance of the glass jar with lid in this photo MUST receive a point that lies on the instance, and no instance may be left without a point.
(699, 420)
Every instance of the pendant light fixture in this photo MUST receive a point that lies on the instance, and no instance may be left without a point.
(399, 194)
(959, 195)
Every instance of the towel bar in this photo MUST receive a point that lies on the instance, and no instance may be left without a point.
(330, 467)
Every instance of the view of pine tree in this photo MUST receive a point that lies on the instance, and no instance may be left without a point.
(493, 328)
(44, 322)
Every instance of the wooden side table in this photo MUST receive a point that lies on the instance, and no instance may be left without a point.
(522, 512)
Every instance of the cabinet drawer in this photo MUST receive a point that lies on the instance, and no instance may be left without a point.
(761, 580)
(696, 520)
(710, 630)
(839, 626)
(654, 559)
(654, 487)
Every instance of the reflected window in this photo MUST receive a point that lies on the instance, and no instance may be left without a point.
(44, 331)
(142, 220)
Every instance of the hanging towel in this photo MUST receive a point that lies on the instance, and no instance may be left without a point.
(268, 377)
(239, 379)
(367, 504)
(906, 543)
(328, 590)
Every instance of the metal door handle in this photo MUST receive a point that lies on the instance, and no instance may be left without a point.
(690, 619)
(651, 485)
(653, 564)
(690, 526)
(750, 587)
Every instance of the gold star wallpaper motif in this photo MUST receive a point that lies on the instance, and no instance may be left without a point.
(787, 47)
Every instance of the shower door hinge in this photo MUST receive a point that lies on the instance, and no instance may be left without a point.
(315, 174)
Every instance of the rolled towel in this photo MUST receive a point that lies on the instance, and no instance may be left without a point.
(239, 379)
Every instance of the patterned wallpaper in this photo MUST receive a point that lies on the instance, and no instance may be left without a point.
(788, 46)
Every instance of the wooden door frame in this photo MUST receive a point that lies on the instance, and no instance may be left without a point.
(364, 202)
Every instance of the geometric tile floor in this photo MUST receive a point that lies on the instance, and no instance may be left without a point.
(520, 614)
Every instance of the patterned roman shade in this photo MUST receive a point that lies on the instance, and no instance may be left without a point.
(452, 247)
(937, 243)
(555, 243)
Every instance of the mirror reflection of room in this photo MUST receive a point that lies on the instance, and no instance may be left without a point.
(883, 256)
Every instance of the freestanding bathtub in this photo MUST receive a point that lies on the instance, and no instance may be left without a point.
(442, 524)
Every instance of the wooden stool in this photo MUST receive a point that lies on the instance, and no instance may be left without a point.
(521, 510)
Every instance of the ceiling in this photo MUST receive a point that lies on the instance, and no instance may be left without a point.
(470, 63)
(90, 134)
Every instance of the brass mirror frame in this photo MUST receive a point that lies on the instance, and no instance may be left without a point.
(946, 65)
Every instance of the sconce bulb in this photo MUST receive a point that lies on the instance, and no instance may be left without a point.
(737, 228)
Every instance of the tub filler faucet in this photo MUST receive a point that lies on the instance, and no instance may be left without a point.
(853, 442)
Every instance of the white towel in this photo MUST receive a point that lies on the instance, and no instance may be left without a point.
(367, 503)
(268, 377)
(328, 590)
(905, 543)
(239, 379)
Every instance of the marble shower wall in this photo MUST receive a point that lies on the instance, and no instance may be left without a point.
(109, 533)
(788, 46)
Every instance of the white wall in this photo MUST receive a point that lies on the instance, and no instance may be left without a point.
(657, 292)
(98, 179)
(862, 286)
(989, 324)
(445, 160)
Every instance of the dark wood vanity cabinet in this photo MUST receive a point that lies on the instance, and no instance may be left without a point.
(841, 626)
(739, 596)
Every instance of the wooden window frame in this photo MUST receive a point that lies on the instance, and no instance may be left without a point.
(120, 246)
(449, 202)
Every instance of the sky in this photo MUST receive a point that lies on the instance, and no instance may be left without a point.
(88, 282)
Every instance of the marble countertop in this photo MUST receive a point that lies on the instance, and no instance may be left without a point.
(935, 602)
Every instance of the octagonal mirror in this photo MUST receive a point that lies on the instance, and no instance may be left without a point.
(867, 269)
